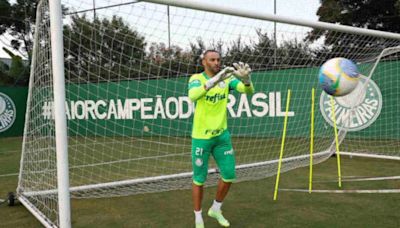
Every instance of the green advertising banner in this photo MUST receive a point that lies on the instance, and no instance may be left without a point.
(161, 107)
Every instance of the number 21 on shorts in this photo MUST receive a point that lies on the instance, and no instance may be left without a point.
(198, 151)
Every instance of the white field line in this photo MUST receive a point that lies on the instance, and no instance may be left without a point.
(8, 174)
(342, 191)
(354, 179)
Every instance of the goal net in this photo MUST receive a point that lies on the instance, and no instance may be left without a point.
(370, 127)
(129, 120)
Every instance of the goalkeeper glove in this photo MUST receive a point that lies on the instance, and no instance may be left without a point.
(221, 76)
(242, 72)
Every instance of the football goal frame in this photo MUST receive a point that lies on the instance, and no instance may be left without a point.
(63, 189)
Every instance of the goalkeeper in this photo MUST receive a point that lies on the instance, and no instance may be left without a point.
(209, 91)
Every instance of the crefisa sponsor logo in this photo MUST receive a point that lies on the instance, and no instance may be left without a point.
(355, 111)
(7, 112)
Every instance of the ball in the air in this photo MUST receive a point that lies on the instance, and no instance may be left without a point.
(338, 76)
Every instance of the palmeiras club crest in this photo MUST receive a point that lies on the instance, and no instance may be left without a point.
(355, 111)
(7, 112)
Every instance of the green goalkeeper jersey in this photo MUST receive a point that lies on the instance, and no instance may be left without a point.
(210, 116)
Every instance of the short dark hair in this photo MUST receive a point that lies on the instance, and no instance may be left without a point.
(204, 53)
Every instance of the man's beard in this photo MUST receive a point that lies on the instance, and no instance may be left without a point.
(215, 70)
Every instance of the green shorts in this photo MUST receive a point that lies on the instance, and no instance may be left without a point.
(221, 149)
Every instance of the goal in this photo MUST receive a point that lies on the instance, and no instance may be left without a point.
(120, 73)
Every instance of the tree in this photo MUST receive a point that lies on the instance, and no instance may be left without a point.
(372, 14)
(294, 53)
(381, 15)
(17, 20)
(15, 74)
(240, 51)
(103, 50)
(265, 53)
(171, 61)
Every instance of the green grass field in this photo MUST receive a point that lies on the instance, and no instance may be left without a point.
(249, 204)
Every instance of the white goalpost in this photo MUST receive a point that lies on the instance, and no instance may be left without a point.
(60, 119)
(108, 113)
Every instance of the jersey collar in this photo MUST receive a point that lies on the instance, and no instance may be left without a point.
(205, 75)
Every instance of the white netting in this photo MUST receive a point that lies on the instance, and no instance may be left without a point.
(129, 118)
(369, 113)
(38, 169)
